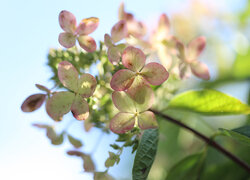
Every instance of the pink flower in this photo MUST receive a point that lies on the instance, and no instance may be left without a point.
(188, 56)
(134, 59)
(81, 87)
(72, 32)
(132, 113)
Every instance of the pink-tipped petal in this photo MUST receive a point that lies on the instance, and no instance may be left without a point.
(108, 41)
(67, 40)
(123, 102)
(33, 102)
(80, 108)
(68, 75)
(155, 73)
(87, 26)
(200, 70)
(121, 12)
(122, 122)
(147, 120)
(135, 28)
(164, 24)
(181, 50)
(59, 104)
(122, 80)
(67, 21)
(195, 48)
(142, 94)
(115, 53)
(87, 43)
(184, 70)
(119, 31)
(86, 85)
(133, 58)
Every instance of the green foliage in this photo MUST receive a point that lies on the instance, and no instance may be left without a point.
(75, 142)
(241, 134)
(242, 65)
(209, 102)
(113, 158)
(190, 167)
(145, 154)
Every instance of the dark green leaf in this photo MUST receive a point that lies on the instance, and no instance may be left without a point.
(145, 154)
(241, 134)
(188, 168)
(75, 142)
(209, 102)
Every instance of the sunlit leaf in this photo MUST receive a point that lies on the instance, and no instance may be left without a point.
(112, 159)
(80, 108)
(75, 142)
(189, 168)
(59, 104)
(145, 154)
(209, 102)
(33, 102)
(241, 134)
(43, 88)
(242, 65)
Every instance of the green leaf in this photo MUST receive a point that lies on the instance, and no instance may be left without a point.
(58, 140)
(145, 154)
(113, 158)
(209, 102)
(241, 134)
(75, 142)
(188, 167)
(242, 65)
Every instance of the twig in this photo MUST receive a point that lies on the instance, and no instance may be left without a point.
(206, 139)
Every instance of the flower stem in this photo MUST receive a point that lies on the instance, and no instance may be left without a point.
(205, 139)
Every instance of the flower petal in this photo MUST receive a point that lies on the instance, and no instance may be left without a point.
(142, 94)
(59, 104)
(87, 26)
(122, 80)
(184, 70)
(195, 47)
(86, 85)
(67, 40)
(164, 25)
(200, 70)
(68, 75)
(181, 48)
(119, 31)
(43, 88)
(115, 53)
(33, 102)
(147, 120)
(122, 122)
(123, 102)
(80, 108)
(108, 41)
(133, 58)
(67, 21)
(155, 73)
(87, 43)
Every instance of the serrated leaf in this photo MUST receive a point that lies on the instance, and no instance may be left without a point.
(209, 102)
(145, 154)
(241, 134)
(75, 142)
(188, 167)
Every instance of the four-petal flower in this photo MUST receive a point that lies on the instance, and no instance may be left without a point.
(62, 102)
(72, 32)
(134, 59)
(131, 113)
(188, 56)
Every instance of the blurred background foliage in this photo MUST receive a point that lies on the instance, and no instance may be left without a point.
(228, 57)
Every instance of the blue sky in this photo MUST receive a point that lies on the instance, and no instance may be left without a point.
(28, 29)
